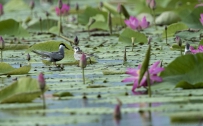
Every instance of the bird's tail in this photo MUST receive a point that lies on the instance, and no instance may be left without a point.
(37, 52)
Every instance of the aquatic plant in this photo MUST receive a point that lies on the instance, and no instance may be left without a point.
(153, 72)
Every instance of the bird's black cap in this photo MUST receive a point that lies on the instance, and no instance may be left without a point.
(64, 45)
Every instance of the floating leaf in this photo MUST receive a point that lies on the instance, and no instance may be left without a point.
(192, 20)
(15, 5)
(167, 18)
(9, 70)
(145, 64)
(173, 28)
(187, 68)
(16, 47)
(12, 27)
(45, 24)
(128, 33)
(24, 90)
(62, 94)
(83, 18)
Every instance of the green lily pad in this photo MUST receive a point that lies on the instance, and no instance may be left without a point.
(15, 5)
(45, 25)
(12, 27)
(83, 18)
(192, 20)
(128, 33)
(15, 46)
(9, 70)
(62, 94)
(184, 72)
(24, 90)
(173, 28)
(167, 18)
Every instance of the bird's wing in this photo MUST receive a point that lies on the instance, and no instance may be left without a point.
(56, 56)
(43, 54)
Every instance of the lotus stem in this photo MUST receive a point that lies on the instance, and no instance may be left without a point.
(1, 55)
(149, 84)
(43, 98)
(83, 75)
(60, 25)
(181, 53)
(166, 35)
(47, 24)
(154, 17)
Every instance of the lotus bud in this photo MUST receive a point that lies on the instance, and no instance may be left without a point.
(148, 2)
(32, 4)
(47, 14)
(60, 4)
(117, 112)
(76, 41)
(2, 43)
(101, 4)
(178, 40)
(1, 10)
(133, 40)
(41, 81)
(152, 4)
(83, 61)
(28, 57)
(77, 7)
(149, 40)
(119, 10)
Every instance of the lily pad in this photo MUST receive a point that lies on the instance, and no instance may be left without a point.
(24, 90)
(45, 25)
(173, 28)
(192, 20)
(187, 69)
(9, 70)
(83, 18)
(12, 27)
(16, 5)
(62, 94)
(128, 33)
(167, 18)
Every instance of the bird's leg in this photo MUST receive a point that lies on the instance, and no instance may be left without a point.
(55, 64)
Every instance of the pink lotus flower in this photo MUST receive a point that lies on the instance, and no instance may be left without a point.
(198, 50)
(199, 5)
(63, 11)
(136, 24)
(201, 18)
(153, 71)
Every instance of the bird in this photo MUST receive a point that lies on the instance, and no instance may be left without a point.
(187, 49)
(53, 56)
(78, 53)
